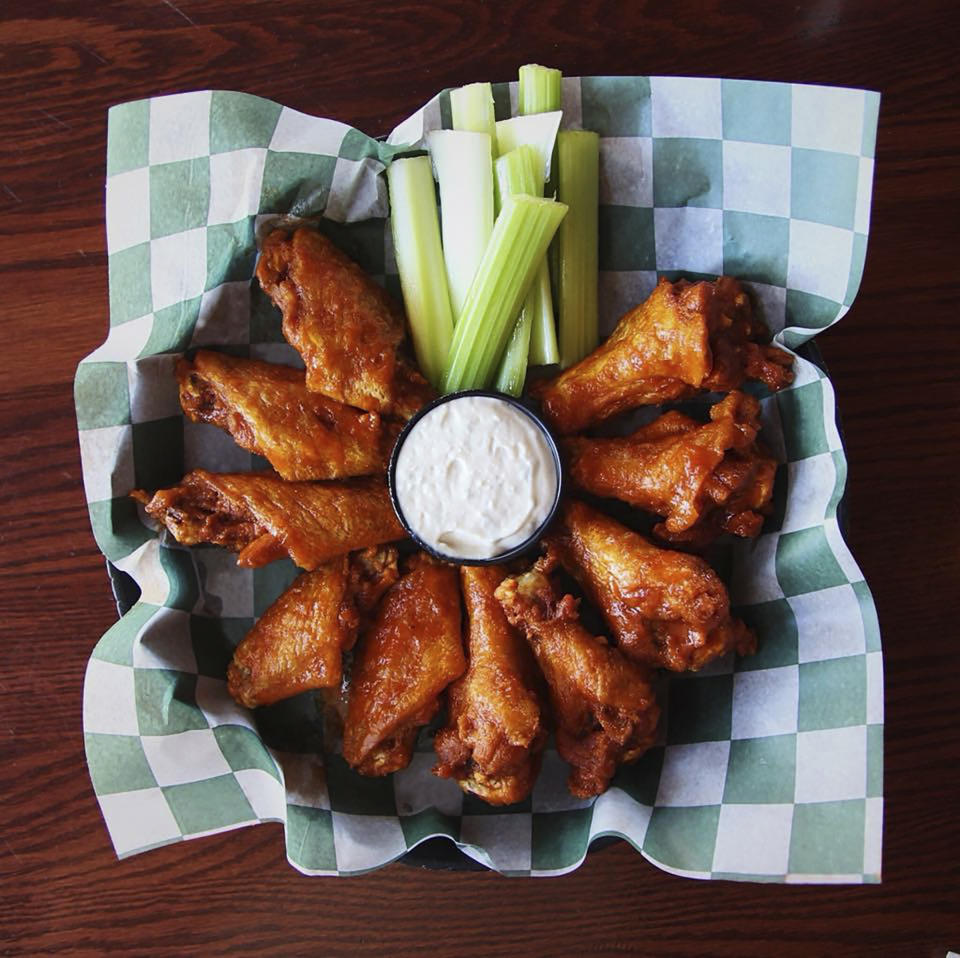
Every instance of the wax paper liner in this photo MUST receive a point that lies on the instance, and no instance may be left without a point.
(770, 767)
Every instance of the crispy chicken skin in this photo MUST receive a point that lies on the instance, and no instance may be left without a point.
(262, 518)
(347, 328)
(685, 338)
(603, 703)
(495, 735)
(665, 608)
(411, 653)
(268, 409)
(704, 478)
(297, 644)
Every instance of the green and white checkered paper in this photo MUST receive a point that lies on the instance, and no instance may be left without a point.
(770, 767)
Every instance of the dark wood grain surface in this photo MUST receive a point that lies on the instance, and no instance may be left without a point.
(894, 361)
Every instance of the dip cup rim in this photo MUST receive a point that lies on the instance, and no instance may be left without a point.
(523, 406)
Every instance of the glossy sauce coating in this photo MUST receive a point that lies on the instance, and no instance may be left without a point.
(411, 653)
(346, 327)
(263, 518)
(686, 337)
(268, 409)
(495, 730)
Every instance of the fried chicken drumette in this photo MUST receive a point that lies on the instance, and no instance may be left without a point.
(603, 703)
(495, 733)
(686, 338)
(665, 608)
(704, 478)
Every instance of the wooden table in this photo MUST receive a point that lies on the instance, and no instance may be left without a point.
(894, 361)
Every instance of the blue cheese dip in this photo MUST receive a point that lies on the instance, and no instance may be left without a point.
(475, 477)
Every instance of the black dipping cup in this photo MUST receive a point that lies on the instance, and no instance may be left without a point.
(518, 550)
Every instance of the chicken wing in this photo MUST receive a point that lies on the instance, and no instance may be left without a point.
(410, 654)
(493, 741)
(297, 644)
(665, 608)
(703, 478)
(262, 518)
(685, 338)
(603, 703)
(347, 328)
(269, 410)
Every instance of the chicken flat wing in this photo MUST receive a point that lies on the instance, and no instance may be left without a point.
(347, 328)
(685, 338)
(495, 735)
(704, 478)
(603, 703)
(268, 409)
(411, 653)
(665, 608)
(262, 518)
(298, 643)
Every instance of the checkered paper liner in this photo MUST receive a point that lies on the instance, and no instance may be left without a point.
(770, 768)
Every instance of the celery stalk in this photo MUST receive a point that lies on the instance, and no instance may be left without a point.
(519, 172)
(578, 185)
(423, 279)
(543, 334)
(541, 89)
(513, 368)
(472, 109)
(521, 235)
(461, 161)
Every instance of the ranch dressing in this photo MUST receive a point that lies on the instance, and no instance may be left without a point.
(475, 477)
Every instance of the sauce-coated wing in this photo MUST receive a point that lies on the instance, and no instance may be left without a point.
(704, 478)
(494, 737)
(298, 643)
(685, 338)
(410, 654)
(268, 409)
(262, 518)
(603, 703)
(346, 327)
(665, 608)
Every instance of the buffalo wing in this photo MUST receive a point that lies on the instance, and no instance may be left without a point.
(664, 608)
(703, 478)
(410, 654)
(262, 518)
(297, 644)
(268, 409)
(685, 338)
(495, 734)
(603, 703)
(346, 327)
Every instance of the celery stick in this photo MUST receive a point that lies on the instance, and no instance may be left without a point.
(513, 368)
(538, 131)
(521, 234)
(522, 168)
(472, 109)
(518, 172)
(541, 89)
(578, 185)
(423, 279)
(461, 161)
(544, 350)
